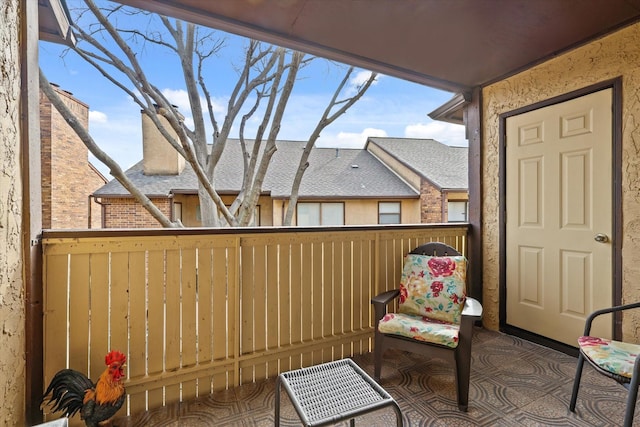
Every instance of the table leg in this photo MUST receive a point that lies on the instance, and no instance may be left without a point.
(396, 408)
(277, 414)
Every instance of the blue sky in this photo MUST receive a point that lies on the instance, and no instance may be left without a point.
(391, 107)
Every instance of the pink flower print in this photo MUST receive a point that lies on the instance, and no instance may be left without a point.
(403, 294)
(436, 288)
(591, 341)
(442, 266)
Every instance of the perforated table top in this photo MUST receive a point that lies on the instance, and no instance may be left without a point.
(334, 391)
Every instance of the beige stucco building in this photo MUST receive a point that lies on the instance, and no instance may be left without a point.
(391, 180)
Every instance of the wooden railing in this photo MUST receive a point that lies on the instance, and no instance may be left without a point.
(202, 310)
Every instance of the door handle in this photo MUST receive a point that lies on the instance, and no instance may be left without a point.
(601, 238)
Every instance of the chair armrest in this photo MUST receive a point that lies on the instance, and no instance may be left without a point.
(385, 297)
(380, 302)
(592, 316)
(472, 308)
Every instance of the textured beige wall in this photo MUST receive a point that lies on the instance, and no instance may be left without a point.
(11, 263)
(613, 56)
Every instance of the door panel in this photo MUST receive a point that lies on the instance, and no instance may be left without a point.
(558, 197)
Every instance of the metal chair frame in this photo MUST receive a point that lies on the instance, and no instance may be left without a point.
(631, 384)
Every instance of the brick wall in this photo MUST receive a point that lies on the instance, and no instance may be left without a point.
(67, 177)
(126, 212)
(430, 203)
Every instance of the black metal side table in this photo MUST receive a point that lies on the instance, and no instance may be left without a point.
(330, 392)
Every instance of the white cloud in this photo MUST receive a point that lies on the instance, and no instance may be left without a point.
(361, 77)
(447, 133)
(180, 98)
(97, 117)
(349, 139)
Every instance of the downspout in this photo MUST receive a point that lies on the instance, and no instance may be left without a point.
(171, 200)
(102, 208)
(31, 218)
(89, 211)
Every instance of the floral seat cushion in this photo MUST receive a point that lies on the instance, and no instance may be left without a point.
(420, 328)
(612, 356)
(432, 295)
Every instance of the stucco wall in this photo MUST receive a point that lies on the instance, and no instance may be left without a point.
(612, 56)
(11, 263)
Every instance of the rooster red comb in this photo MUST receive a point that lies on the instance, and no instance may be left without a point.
(115, 356)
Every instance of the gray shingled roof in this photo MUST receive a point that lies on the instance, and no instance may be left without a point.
(331, 174)
(443, 165)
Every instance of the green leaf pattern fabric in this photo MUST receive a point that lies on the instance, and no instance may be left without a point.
(432, 295)
(420, 328)
(613, 356)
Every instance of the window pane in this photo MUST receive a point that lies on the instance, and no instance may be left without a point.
(389, 213)
(332, 214)
(457, 211)
(308, 214)
(389, 207)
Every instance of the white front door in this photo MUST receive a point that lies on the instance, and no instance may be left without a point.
(559, 217)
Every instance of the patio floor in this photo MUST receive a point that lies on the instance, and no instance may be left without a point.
(513, 383)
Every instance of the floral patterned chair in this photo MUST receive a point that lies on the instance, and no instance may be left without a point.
(614, 359)
(435, 317)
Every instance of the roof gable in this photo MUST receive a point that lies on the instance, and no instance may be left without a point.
(443, 165)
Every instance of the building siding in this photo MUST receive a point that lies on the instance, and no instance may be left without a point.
(67, 177)
(126, 212)
(430, 203)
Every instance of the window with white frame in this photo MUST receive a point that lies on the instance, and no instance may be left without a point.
(389, 213)
(319, 213)
(457, 211)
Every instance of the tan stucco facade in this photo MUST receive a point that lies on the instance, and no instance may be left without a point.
(358, 211)
(272, 211)
(12, 318)
(616, 55)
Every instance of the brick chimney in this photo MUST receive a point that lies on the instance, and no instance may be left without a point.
(160, 158)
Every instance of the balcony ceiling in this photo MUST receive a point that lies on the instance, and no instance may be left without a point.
(452, 45)
(53, 22)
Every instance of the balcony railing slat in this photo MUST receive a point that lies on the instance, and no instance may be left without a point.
(99, 306)
(198, 312)
(137, 325)
(79, 286)
(155, 324)
(189, 327)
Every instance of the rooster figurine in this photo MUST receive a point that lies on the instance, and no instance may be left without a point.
(71, 391)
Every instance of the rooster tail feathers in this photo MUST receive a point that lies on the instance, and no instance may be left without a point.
(67, 389)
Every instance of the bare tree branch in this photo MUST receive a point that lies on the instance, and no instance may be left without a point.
(326, 119)
(261, 89)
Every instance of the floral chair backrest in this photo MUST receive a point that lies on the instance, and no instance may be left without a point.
(433, 287)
